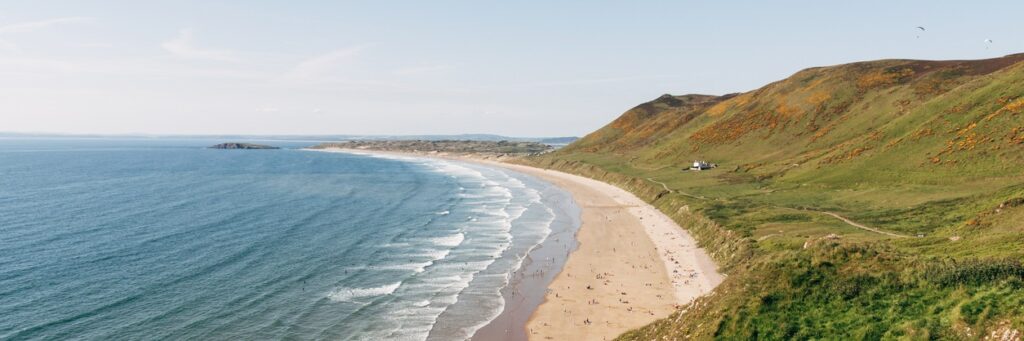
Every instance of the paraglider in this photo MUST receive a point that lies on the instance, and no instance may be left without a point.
(922, 30)
(987, 42)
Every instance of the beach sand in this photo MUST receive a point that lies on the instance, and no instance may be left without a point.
(633, 265)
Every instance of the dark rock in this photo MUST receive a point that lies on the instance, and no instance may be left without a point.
(236, 145)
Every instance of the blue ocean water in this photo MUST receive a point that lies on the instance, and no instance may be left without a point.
(164, 239)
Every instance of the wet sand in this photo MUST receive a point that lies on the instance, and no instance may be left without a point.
(528, 286)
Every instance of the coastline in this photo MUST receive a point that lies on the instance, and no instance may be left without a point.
(638, 264)
(631, 266)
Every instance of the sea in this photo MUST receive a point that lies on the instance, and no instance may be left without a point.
(148, 239)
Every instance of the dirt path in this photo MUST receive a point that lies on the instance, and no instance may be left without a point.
(834, 215)
(862, 227)
(663, 185)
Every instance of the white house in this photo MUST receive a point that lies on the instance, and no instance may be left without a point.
(702, 165)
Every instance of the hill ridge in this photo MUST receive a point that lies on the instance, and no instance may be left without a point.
(927, 149)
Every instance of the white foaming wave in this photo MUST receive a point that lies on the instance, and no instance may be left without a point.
(450, 241)
(509, 213)
(496, 216)
(415, 267)
(456, 170)
(389, 156)
(437, 255)
(348, 294)
(506, 278)
(517, 263)
(491, 212)
(418, 267)
(484, 201)
(443, 213)
(516, 183)
(499, 190)
(443, 279)
(534, 195)
(477, 264)
(496, 193)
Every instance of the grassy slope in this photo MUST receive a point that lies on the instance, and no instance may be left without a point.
(929, 150)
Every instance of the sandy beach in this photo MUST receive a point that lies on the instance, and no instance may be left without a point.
(632, 266)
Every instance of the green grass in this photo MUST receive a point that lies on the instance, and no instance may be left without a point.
(912, 148)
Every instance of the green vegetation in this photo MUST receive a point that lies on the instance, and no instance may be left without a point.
(875, 200)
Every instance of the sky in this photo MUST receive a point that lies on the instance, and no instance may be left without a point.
(518, 68)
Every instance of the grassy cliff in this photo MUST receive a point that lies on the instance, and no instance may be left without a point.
(881, 199)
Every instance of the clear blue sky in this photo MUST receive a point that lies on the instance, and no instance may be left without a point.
(527, 68)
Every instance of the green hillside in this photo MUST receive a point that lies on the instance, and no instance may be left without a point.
(874, 200)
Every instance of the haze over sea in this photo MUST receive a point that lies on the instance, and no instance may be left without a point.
(162, 238)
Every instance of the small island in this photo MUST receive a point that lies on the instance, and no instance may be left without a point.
(236, 145)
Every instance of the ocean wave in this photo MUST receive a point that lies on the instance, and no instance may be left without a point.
(516, 183)
(450, 241)
(415, 267)
(349, 294)
(436, 255)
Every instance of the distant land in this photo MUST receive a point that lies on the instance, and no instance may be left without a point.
(552, 141)
(237, 145)
(863, 201)
(476, 148)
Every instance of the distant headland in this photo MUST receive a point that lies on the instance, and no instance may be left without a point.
(479, 148)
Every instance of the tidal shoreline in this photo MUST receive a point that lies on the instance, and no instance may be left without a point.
(632, 265)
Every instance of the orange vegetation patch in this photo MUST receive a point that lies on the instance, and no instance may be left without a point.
(969, 142)
(1015, 106)
(1011, 106)
(967, 138)
(963, 131)
(737, 126)
(742, 100)
(719, 108)
(1016, 136)
(818, 98)
(885, 77)
(846, 156)
(821, 133)
(788, 111)
(893, 143)
(923, 132)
